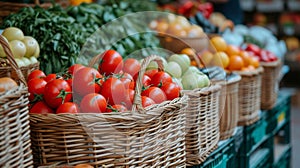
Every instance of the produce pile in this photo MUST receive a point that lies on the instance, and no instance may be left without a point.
(110, 87)
(61, 33)
(25, 49)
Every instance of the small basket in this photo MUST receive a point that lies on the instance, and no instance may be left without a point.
(202, 123)
(270, 84)
(150, 137)
(7, 8)
(15, 143)
(8, 71)
(249, 96)
(176, 44)
(229, 107)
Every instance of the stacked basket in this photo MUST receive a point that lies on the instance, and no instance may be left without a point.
(151, 137)
(229, 105)
(270, 84)
(249, 96)
(202, 123)
(14, 121)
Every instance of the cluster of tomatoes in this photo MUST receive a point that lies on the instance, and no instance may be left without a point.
(108, 89)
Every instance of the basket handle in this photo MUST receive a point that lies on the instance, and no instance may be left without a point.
(11, 59)
(137, 100)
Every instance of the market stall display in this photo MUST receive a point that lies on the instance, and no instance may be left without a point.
(189, 90)
(151, 135)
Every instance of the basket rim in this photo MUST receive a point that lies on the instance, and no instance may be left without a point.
(271, 64)
(203, 91)
(165, 35)
(255, 72)
(153, 110)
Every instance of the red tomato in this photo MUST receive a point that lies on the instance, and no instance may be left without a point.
(36, 89)
(36, 74)
(116, 108)
(161, 78)
(111, 62)
(57, 92)
(146, 81)
(151, 72)
(171, 90)
(253, 48)
(87, 80)
(50, 77)
(132, 66)
(70, 82)
(127, 79)
(129, 98)
(74, 68)
(40, 108)
(113, 90)
(68, 107)
(146, 101)
(93, 103)
(155, 93)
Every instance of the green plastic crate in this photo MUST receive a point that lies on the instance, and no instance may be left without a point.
(222, 157)
(284, 160)
(253, 136)
(279, 115)
(258, 159)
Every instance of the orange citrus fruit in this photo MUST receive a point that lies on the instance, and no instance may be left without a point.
(251, 67)
(162, 26)
(246, 57)
(232, 50)
(206, 57)
(254, 61)
(220, 59)
(235, 63)
(219, 43)
(188, 51)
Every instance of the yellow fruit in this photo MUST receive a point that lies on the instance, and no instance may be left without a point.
(220, 59)
(31, 45)
(162, 26)
(18, 48)
(219, 43)
(206, 57)
(13, 33)
(194, 31)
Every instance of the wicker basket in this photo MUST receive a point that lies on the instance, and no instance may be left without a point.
(8, 71)
(202, 123)
(151, 137)
(249, 96)
(7, 8)
(229, 107)
(14, 122)
(270, 84)
(176, 44)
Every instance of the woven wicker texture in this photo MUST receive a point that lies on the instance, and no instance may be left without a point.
(7, 8)
(176, 44)
(9, 71)
(270, 84)
(15, 143)
(202, 123)
(151, 137)
(249, 96)
(229, 107)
